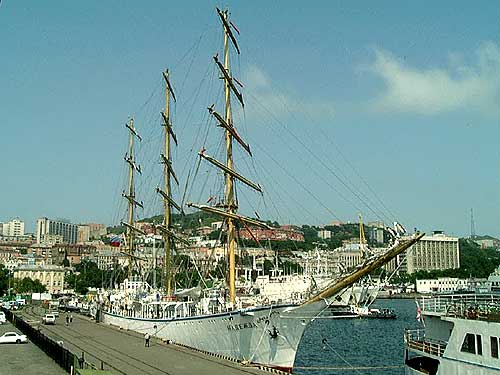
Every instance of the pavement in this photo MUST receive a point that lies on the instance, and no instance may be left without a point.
(26, 359)
(123, 352)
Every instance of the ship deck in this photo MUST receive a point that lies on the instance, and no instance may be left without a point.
(415, 340)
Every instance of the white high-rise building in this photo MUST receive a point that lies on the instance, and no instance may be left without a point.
(435, 252)
(13, 228)
(45, 226)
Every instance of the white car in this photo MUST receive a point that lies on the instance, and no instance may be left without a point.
(49, 319)
(2, 318)
(12, 338)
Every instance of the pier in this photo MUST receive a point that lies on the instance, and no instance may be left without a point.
(25, 359)
(123, 352)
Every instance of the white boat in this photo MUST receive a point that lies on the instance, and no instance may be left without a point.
(214, 320)
(461, 336)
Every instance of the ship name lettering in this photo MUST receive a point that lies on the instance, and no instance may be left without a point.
(235, 327)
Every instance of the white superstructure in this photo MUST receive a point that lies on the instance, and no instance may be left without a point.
(461, 336)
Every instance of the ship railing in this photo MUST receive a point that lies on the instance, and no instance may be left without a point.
(469, 306)
(415, 339)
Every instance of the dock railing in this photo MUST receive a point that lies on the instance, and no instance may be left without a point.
(415, 339)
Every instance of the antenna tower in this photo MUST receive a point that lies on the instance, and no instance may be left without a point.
(472, 225)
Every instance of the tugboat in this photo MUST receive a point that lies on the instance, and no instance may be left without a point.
(461, 336)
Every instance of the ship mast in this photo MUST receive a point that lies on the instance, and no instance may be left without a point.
(362, 239)
(132, 202)
(230, 204)
(229, 195)
(166, 194)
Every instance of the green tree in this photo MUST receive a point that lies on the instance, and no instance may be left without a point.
(4, 280)
(28, 285)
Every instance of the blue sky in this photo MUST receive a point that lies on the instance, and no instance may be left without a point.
(405, 95)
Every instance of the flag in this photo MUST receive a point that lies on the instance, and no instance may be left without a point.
(116, 241)
(420, 318)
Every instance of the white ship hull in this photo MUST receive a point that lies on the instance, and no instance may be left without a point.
(268, 335)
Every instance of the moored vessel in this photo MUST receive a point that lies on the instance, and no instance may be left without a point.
(215, 319)
(460, 335)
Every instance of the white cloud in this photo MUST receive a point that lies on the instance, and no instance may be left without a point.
(261, 93)
(461, 86)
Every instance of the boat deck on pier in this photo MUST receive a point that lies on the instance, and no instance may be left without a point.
(124, 352)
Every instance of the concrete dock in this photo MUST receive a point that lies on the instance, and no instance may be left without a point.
(123, 352)
(26, 359)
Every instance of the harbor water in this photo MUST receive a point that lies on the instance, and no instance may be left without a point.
(357, 346)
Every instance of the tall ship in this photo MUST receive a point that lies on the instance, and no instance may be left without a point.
(213, 318)
(461, 335)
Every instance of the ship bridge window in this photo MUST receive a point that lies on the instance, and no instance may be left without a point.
(494, 346)
(469, 344)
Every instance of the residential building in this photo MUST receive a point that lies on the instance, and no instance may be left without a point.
(435, 252)
(106, 259)
(147, 228)
(284, 233)
(324, 234)
(376, 234)
(486, 243)
(49, 275)
(441, 285)
(13, 228)
(96, 230)
(45, 226)
(216, 225)
(349, 255)
(83, 234)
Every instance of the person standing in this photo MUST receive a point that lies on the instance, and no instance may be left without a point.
(67, 320)
(71, 318)
(147, 337)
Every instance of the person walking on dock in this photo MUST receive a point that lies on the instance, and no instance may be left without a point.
(146, 339)
(71, 318)
(67, 320)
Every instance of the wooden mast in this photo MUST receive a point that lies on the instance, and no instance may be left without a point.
(230, 201)
(362, 239)
(166, 194)
(226, 122)
(167, 218)
(132, 202)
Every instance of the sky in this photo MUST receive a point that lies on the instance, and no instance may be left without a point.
(385, 108)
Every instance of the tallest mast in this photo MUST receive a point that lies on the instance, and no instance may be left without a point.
(230, 202)
(229, 212)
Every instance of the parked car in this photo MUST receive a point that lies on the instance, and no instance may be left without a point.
(49, 319)
(54, 312)
(2, 318)
(12, 338)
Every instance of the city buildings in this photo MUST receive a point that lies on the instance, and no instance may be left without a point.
(13, 228)
(283, 233)
(49, 275)
(440, 285)
(96, 230)
(45, 226)
(83, 234)
(324, 234)
(435, 252)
